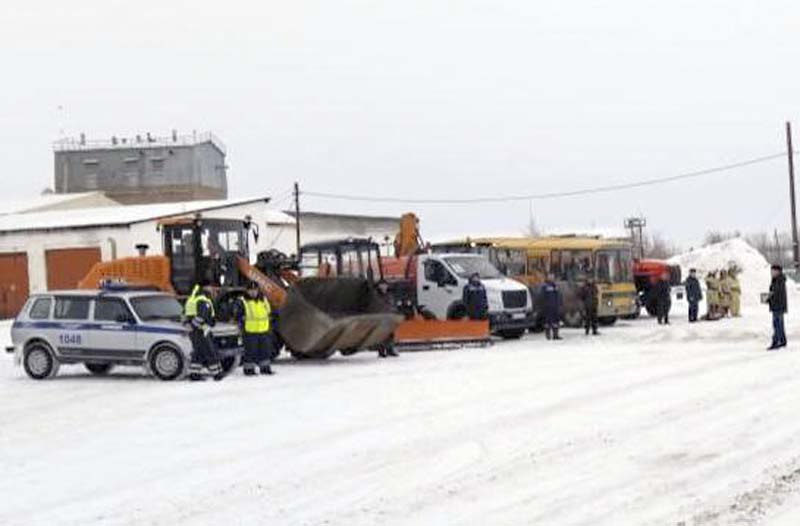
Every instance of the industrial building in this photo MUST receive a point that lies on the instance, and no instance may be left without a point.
(143, 169)
(52, 242)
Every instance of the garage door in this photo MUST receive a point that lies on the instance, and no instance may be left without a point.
(67, 266)
(13, 283)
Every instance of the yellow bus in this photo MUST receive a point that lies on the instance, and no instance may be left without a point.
(572, 260)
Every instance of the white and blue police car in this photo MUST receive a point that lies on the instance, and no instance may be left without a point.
(105, 328)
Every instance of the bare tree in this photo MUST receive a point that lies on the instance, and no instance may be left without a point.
(656, 246)
(718, 236)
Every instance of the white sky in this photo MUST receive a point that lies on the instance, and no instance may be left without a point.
(425, 98)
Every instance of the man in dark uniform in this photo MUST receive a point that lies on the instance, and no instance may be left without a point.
(663, 298)
(550, 298)
(254, 316)
(474, 298)
(694, 294)
(199, 313)
(588, 296)
(778, 306)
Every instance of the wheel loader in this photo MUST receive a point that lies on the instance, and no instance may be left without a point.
(315, 317)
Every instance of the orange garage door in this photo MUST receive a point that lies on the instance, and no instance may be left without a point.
(13, 283)
(67, 266)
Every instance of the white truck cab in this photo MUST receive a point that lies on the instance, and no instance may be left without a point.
(441, 279)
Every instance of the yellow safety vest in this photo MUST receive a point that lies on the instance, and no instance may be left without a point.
(190, 309)
(256, 316)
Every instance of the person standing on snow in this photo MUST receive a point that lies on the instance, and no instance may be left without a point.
(254, 315)
(724, 293)
(199, 314)
(474, 298)
(663, 298)
(588, 296)
(551, 307)
(778, 307)
(712, 296)
(736, 292)
(694, 294)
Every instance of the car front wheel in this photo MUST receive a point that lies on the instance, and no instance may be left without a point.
(166, 362)
(39, 362)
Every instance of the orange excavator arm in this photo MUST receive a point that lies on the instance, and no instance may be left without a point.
(408, 241)
(275, 294)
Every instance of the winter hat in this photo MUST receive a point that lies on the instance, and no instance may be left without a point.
(777, 267)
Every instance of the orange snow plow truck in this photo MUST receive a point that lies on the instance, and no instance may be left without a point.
(315, 317)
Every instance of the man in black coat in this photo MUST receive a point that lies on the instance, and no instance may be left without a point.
(694, 294)
(662, 292)
(778, 306)
(550, 298)
(474, 298)
(588, 296)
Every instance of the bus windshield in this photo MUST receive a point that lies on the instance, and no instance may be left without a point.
(466, 266)
(572, 265)
(614, 266)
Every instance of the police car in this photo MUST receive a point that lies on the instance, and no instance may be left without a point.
(104, 328)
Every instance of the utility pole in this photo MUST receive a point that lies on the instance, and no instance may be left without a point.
(297, 217)
(634, 224)
(790, 154)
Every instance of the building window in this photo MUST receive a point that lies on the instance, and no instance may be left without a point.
(157, 164)
(91, 162)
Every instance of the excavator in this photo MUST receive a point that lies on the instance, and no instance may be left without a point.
(316, 317)
(361, 258)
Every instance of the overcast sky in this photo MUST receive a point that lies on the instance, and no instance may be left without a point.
(426, 98)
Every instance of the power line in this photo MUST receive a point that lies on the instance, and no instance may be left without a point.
(554, 195)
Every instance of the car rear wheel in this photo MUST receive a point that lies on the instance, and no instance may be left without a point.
(607, 321)
(99, 369)
(166, 362)
(39, 362)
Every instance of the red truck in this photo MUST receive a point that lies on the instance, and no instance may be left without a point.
(645, 274)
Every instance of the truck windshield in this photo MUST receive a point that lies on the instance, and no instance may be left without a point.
(157, 307)
(614, 266)
(465, 266)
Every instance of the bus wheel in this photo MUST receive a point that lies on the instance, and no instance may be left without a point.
(573, 318)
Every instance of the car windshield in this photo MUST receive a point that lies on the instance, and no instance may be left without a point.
(158, 307)
(614, 266)
(466, 266)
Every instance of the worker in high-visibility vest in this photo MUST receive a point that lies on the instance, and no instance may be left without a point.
(199, 314)
(254, 315)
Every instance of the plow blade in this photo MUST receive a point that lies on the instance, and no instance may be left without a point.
(321, 316)
(419, 334)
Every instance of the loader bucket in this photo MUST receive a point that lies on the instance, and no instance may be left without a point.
(323, 315)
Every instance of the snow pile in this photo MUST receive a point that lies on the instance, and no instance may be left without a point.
(754, 269)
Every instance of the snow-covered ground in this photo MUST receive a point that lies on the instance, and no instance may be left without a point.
(644, 425)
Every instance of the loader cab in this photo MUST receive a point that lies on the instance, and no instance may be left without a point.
(204, 251)
(353, 257)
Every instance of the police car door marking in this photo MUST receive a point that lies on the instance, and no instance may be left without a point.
(71, 339)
